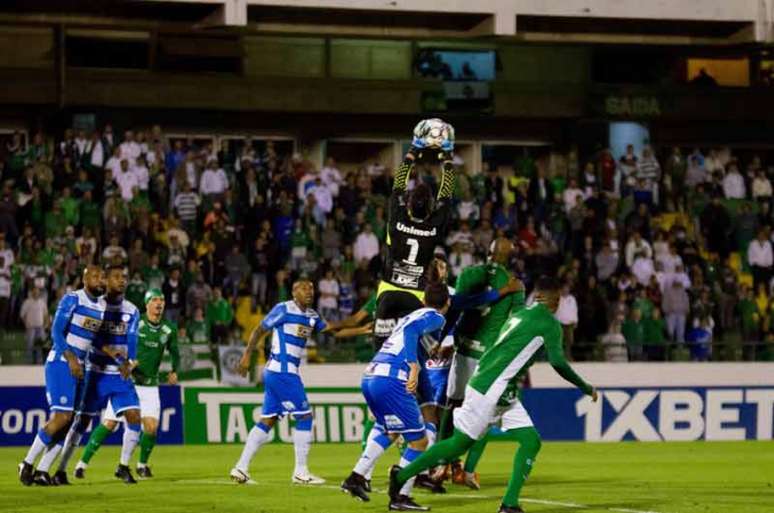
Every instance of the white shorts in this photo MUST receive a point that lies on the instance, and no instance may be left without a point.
(478, 413)
(150, 404)
(462, 369)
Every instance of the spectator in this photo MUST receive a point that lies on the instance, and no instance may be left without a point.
(198, 294)
(126, 180)
(135, 291)
(614, 343)
(460, 258)
(213, 183)
(114, 251)
(567, 315)
(366, 245)
(676, 306)
(198, 328)
(733, 184)
(328, 303)
(649, 174)
(760, 258)
(331, 177)
(174, 296)
(572, 196)
(237, 270)
(34, 315)
(634, 332)
(716, 227)
(761, 186)
(654, 331)
(7, 259)
(219, 316)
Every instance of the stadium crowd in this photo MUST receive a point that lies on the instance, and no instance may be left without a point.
(665, 256)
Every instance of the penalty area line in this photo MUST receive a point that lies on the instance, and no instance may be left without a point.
(545, 502)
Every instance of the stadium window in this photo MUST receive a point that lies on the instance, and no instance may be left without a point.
(107, 49)
(213, 54)
(725, 72)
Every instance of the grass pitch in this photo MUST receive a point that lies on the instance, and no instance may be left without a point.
(700, 477)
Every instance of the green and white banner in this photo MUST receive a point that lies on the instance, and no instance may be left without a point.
(196, 362)
(226, 415)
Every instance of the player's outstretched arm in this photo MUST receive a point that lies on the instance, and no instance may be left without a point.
(448, 176)
(354, 331)
(555, 350)
(404, 171)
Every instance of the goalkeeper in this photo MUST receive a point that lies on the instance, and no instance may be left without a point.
(489, 396)
(417, 223)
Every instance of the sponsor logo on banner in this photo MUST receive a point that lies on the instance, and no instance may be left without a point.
(653, 414)
(226, 415)
(24, 410)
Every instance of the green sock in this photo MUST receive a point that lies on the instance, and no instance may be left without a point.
(146, 446)
(95, 441)
(446, 427)
(441, 452)
(367, 426)
(529, 445)
(475, 453)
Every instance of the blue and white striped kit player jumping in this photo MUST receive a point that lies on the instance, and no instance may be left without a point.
(389, 386)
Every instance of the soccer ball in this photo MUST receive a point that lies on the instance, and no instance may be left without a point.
(433, 133)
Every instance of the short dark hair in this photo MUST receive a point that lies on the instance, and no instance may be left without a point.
(547, 284)
(115, 267)
(436, 295)
(420, 200)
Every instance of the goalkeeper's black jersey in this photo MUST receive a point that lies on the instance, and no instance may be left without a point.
(411, 244)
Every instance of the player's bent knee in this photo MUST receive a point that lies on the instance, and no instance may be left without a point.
(132, 416)
(419, 444)
(150, 425)
(112, 425)
(61, 418)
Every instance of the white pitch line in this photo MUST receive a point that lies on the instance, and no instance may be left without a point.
(569, 505)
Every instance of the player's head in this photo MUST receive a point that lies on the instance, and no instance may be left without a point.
(117, 279)
(437, 296)
(438, 271)
(94, 280)
(154, 304)
(420, 202)
(501, 250)
(547, 292)
(303, 293)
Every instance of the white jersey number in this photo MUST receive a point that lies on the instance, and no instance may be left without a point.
(413, 252)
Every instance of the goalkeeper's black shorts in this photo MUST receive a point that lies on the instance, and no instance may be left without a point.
(392, 303)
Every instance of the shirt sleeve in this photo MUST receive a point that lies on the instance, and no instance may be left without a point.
(553, 343)
(370, 306)
(402, 175)
(467, 301)
(448, 176)
(62, 317)
(320, 325)
(274, 318)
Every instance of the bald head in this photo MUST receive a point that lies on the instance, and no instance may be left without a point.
(94, 280)
(501, 250)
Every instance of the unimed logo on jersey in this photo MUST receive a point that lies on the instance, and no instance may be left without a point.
(218, 415)
(673, 414)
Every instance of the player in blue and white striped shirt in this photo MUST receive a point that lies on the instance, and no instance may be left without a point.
(389, 386)
(108, 369)
(291, 324)
(76, 323)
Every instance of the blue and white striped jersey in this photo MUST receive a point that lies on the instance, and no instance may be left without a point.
(402, 347)
(291, 328)
(119, 331)
(77, 322)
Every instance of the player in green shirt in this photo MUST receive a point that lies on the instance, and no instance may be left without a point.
(489, 396)
(476, 331)
(155, 336)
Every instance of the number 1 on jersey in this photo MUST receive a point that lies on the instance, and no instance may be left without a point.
(413, 250)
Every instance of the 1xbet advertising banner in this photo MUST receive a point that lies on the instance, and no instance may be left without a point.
(218, 415)
(24, 410)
